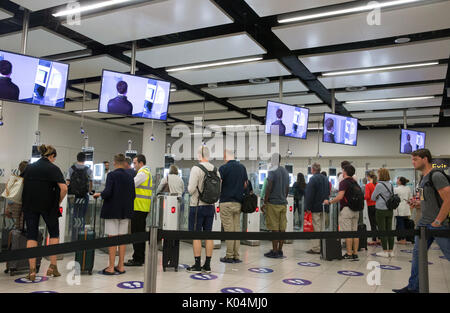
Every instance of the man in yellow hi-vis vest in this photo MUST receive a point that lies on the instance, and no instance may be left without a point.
(143, 184)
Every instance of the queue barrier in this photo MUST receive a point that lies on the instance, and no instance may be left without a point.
(156, 234)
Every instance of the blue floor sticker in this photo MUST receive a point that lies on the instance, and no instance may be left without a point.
(261, 270)
(297, 281)
(23, 280)
(390, 267)
(350, 273)
(131, 285)
(236, 290)
(203, 276)
(443, 257)
(308, 264)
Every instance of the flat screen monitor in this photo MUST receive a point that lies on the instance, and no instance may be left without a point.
(286, 120)
(134, 96)
(340, 129)
(32, 80)
(411, 140)
(262, 176)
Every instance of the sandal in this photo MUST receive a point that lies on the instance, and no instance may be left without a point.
(105, 272)
(53, 271)
(117, 270)
(32, 275)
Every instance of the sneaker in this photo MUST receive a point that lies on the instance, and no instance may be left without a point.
(226, 260)
(355, 257)
(271, 254)
(383, 254)
(194, 269)
(347, 257)
(236, 260)
(133, 263)
(391, 254)
(311, 251)
(206, 269)
(404, 290)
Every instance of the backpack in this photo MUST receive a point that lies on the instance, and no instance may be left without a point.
(437, 195)
(249, 203)
(79, 182)
(393, 201)
(355, 197)
(211, 186)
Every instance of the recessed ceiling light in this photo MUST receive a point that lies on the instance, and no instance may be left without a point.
(402, 40)
(389, 100)
(356, 9)
(85, 111)
(89, 7)
(379, 69)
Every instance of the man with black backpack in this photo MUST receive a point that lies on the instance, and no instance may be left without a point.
(351, 199)
(434, 190)
(204, 188)
(79, 179)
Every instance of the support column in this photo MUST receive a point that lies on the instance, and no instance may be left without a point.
(154, 150)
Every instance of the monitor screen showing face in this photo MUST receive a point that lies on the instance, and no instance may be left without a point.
(32, 80)
(286, 120)
(340, 129)
(135, 96)
(411, 141)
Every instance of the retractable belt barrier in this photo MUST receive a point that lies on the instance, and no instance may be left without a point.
(63, 248)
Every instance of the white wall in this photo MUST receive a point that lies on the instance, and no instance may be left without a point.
(65, 136)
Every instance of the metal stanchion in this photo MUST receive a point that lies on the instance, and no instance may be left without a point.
(424, 286)
(151, 262)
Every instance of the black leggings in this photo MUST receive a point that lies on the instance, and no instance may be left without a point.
(372, 219)
(32, 222)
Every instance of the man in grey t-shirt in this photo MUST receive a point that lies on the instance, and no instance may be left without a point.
(275, 202)
(434, 201)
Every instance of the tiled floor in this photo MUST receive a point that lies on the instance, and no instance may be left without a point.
(324, 278)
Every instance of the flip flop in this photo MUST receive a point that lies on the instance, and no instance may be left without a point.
(117, 270)
(105, 272)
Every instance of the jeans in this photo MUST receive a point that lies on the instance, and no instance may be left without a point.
(444, 244)
(400, 224)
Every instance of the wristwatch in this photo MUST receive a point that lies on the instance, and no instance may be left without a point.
(437, 222)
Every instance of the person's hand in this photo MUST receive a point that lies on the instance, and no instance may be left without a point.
(326, 202)
(436, 225)
(96, 195)
(263, 209)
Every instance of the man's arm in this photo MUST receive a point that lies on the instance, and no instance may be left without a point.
(338, 198)
(268, 191)
(193, 181)
(445, 208)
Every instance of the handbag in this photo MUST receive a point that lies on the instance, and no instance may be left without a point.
(307, 223)
(166, 188)
(14, 189)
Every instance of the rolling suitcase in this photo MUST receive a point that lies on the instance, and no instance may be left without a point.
(171, 254)
(362, 238)
(330, 248)
(409, 224)
(19, 241)
(86, 257)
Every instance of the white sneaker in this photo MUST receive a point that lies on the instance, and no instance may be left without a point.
(391, 254)
(383, 254)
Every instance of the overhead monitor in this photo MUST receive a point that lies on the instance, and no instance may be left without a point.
(134, 96)
(286, 120)
(340, 129)
(32, 80)
(411, 140)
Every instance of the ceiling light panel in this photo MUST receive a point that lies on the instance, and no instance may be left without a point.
(412, 121)
(354, 28)
(402, 54)
(262, 102)
(233, 72)
(93, 67)
(389, 77)
(436, 102)
(36, 5)
(225, 47)
(409, 113)
(271, 7)
(150, 20)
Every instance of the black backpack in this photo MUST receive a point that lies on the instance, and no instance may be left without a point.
(211, 186)
(393, 201)
(79, 182)
(355, 197)
(250, 202)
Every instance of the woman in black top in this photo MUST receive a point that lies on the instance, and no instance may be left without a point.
(44, 188)
(299, 191)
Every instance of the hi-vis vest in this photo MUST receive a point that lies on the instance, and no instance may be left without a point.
(144, 193)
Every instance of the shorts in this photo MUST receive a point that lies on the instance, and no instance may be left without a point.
(276, 217)
(116, 227)
(348, 219)
(205, 218)
(32, 222)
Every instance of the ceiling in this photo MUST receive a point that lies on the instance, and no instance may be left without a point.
(172, 33)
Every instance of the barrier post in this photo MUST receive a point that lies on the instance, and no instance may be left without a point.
(151, 261)
(423, 261)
